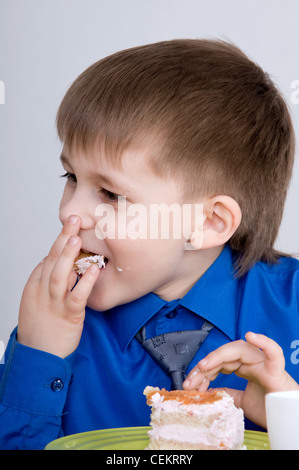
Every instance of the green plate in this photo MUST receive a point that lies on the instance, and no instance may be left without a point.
(133, 439)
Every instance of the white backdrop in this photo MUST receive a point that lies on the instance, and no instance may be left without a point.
(45, 44)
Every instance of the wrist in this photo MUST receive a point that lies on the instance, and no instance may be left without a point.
(291, 384)
(287, 383)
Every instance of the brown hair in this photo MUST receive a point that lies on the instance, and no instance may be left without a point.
(221, 125)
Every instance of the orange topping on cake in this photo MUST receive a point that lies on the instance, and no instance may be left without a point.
(186, 397)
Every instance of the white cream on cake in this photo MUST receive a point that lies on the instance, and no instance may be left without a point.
(84, 260)
(194, 420)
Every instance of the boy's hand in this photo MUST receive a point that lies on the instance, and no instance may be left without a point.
(51, 316)
(259, 360)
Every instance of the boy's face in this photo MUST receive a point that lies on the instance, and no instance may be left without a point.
(118, 209)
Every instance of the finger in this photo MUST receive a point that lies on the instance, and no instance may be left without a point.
(72, 280)
(231, 352)
(77, 299)
(203, 387)
(227, 359)
(270, 348)
(197, 377)
(70, 228)
(36, 273)
(194, 379)
(60, 275)
(33, 281)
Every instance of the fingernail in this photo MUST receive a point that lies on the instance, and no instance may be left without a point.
(72, 241)
(189, 379)
(73, 219)
(193, 373)
(253, 335)
(187, 383)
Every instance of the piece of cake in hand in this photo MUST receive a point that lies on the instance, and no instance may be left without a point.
(85, 259)
(190, 420)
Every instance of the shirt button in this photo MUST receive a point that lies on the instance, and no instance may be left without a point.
(172, 314)
(57, 385)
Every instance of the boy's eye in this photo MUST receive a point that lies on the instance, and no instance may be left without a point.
(70, 177)
(112, 197)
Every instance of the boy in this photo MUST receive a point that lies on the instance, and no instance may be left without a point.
(184, 122)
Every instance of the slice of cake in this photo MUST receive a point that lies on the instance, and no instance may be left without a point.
(194, 420)
(84, 260)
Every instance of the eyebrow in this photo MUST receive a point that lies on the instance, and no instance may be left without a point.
(120, 189)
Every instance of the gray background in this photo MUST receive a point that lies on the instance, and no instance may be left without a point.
(45, 44)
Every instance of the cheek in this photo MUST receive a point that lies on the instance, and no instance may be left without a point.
(129, 255)
(147, 256)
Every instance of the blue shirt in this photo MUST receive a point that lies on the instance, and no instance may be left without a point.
(43, 397)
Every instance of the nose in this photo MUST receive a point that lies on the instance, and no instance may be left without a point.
(78, 203)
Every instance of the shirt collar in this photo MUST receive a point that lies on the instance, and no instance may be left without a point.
(127, 319)
(213, 297)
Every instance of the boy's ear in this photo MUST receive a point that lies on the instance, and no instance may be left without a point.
(221, 218)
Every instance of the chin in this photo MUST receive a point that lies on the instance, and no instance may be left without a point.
(99, 302)
(100, 305)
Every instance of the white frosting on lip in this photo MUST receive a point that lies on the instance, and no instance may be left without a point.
(83, 263)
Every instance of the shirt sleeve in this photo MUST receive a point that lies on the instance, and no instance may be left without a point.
(33, 391)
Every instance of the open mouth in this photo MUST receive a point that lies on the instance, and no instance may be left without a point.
(86, 259)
